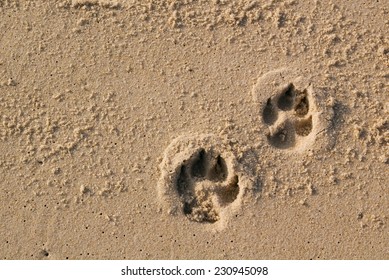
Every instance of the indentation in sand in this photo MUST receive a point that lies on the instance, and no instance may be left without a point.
(201, 179)
(294, 114)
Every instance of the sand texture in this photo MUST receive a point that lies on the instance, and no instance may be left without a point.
(194, 129)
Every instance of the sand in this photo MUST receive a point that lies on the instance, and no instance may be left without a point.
(194, 129)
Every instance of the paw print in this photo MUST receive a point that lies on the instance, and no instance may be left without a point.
(288, 117)
(297, 116)
(201, 179)
(205, 186)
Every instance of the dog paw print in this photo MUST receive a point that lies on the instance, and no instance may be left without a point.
(288, 117)
(201, 179)
(296, 116)
(205, 185)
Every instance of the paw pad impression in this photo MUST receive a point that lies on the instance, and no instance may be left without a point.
(201, 179)
(288, 117)
(293, 115)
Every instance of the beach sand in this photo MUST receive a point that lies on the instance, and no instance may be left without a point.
(194, 129)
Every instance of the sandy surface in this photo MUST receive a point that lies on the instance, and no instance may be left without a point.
(194, 129)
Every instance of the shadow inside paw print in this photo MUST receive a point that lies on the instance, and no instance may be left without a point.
(202, 180)
(287, 116)
(205, 186)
